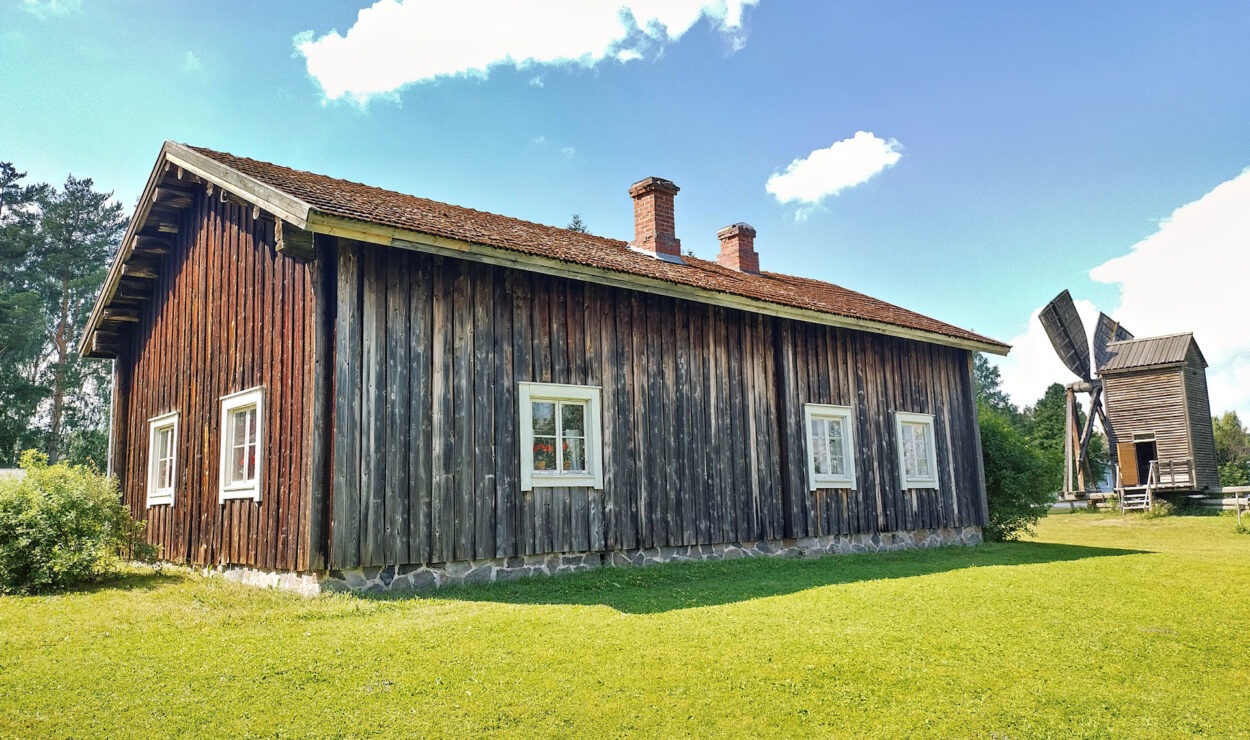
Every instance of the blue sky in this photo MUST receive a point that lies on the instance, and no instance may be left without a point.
(1009, 149)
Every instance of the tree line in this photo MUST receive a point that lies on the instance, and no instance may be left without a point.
(56, 245)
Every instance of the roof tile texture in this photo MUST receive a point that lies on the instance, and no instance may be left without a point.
(352, 200)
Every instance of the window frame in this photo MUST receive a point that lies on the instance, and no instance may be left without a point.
(902, 418)
(591, 395)
(229, 405)
(818, 411)
(162, 496)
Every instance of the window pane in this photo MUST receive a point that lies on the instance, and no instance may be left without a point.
(238, 427)
(545, 452)
(837, 458)
(820, 446)
(250, 416)
(252, 449)
(574, 455)
(909, 449)
(573, 419)
(922, 450)
(544, 417)
(238, 469)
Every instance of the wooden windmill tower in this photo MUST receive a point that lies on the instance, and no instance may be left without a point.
(1149, 395)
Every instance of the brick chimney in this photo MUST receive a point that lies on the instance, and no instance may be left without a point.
(737, 248)
(655, 232)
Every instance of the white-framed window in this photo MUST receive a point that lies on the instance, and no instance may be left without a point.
(560, 436)
(830, 446)
(162, 458)
(917, 450)
(242, 444)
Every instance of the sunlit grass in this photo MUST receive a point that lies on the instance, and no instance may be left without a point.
(1101, 626)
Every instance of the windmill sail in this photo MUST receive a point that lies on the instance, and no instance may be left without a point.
(1107, 331)
(1067, 334)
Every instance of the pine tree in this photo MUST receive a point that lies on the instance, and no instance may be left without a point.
(20, 336)
(577, 224)
(79, 230)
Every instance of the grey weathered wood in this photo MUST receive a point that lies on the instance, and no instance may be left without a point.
(442, 507)
(703, 439)
(398, 408)
(421, 406)
(345, 543)
(462, 427)
(373, 408)
(485, 406)
(507, 451)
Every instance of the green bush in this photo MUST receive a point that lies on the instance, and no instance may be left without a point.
(61, 526)
(1159, 509)
(1019, 479)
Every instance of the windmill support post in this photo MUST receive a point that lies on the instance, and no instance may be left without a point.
(1067, 445)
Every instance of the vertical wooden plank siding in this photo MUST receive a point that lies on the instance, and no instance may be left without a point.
(703, 438)
(228, 313)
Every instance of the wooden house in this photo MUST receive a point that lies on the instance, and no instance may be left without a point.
(1160, 416)
(324, 384)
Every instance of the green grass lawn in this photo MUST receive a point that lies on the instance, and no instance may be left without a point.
(1100, 626)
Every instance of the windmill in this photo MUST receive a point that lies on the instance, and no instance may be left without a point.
(1067, 334)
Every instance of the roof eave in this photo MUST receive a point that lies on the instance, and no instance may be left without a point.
(173, 155)
(407, 239)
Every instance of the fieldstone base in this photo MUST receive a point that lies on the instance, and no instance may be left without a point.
(304, 584)
(434, 575)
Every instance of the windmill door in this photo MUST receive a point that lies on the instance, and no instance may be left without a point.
(1126, 452)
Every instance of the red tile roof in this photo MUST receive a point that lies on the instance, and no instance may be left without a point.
(351, 200)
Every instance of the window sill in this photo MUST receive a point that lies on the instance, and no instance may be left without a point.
(911, 483)
(165, 499)
(230, 494)
(833, 483)
(540, 480)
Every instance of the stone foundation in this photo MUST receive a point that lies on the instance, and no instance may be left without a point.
(304, 584)
(434, 575)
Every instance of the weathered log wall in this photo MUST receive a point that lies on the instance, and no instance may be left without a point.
(1198, 407)
(702, 417)
(228, 313)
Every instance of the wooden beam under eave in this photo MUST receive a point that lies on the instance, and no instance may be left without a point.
(139, 270)
(294, 241)
(170, 197)
(129, 315)
(149, 244)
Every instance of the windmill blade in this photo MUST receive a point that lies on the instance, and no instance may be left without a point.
(1107, 331)
(1067, 334)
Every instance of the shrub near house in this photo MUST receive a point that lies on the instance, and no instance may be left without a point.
(61, 526)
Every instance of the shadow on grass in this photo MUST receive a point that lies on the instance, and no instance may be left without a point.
(672, 586)
(138, 579)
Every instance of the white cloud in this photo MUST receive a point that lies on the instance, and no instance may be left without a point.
(394, 43)
(1188, 276)
(43, 9)
(1191, 275)
(826, 172)
(536, 81)
(191, 62)
(568, 152)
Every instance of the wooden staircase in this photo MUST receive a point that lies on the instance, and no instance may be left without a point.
(1136, 498)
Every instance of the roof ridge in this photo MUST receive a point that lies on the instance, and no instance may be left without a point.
(1148, 339)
